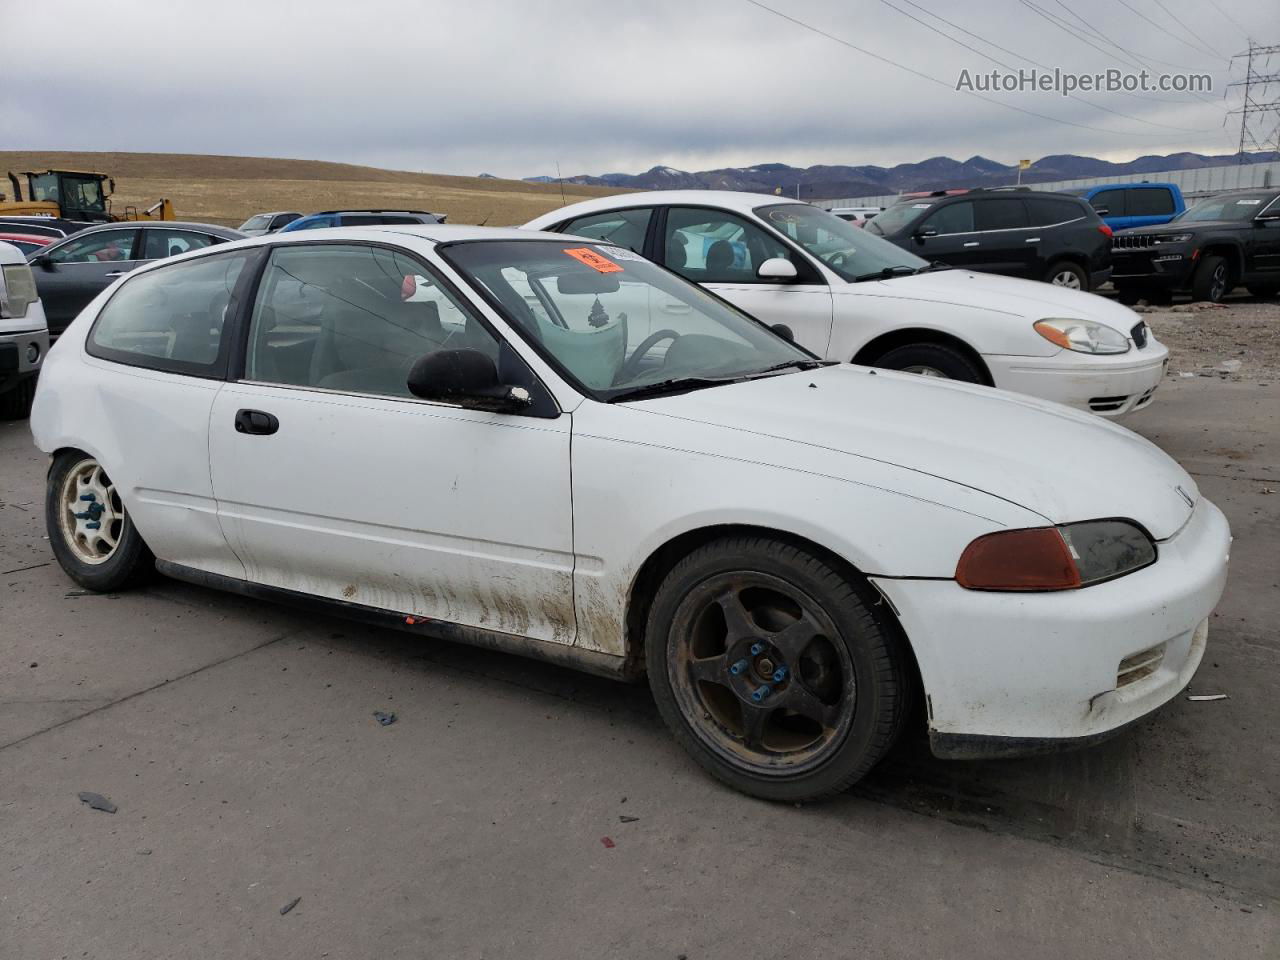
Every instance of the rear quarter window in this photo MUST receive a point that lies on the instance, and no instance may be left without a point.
(174, 318)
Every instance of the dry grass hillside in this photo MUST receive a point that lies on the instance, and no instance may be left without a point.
(228, 190)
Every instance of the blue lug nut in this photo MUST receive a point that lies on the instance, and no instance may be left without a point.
(93, 525)
(780, 674)
(738, 667)
(88, 496)
(760, 693)
(757, 649)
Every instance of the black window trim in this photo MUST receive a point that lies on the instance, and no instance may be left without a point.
(231, 328)
(545, 406)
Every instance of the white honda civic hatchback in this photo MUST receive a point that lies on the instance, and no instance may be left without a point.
(850, 296)
(551, 446)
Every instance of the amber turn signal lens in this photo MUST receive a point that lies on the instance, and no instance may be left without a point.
(1032, 559)
(1053, 334)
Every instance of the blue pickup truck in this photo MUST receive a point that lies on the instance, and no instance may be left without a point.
(1123, 205)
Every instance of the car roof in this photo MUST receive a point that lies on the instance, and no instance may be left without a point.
(734, 200)
(213, 228)
(434, 232)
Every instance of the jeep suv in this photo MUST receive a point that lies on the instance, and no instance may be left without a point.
(1221, 241)
(1017, 232)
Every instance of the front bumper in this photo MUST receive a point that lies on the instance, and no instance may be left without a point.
(1098, 277)
(1155, 267)
(1010, 672)
(1109, 386)
(16, 363)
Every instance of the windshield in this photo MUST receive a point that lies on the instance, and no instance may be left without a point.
(846, 249)
(1225, 208)
(613, 323)
(898, 216)
(259, 222)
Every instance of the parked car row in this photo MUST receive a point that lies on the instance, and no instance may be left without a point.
(547, 443)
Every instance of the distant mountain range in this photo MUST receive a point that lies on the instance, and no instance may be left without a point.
(823, 182)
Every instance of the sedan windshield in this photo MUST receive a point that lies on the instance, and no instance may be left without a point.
(848, 250)
(616, 325)
(1225, 208)
(259, 222)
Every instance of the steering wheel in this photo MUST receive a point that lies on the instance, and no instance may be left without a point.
(632, 364)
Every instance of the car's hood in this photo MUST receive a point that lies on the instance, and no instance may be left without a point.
(1029, 299)
(1062, 464)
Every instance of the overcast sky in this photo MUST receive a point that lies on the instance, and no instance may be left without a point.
(512, 88)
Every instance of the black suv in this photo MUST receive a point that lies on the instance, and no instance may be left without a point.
(1017, 232)
(1207, 249)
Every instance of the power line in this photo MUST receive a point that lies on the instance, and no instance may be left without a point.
(1146, 58)
(1239, 26)
(942, 83)
(1174, 17)
(1165, 30)
(1001, 63)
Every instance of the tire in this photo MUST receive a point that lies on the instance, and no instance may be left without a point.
(1263, 291)
(1212, 280)
(82, 552)
(1065, 273)
(1129, 295)
(931, 360)
(15, 404)
(838, 705)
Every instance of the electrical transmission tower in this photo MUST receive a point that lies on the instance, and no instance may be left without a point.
(1259, 109)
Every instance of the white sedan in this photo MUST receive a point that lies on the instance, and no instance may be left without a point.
(848, 295)
(551, 446)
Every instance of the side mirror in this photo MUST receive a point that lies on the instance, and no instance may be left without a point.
(925, 232)
(44, 261)
(464, 377)
(785, 332)
(777, 268)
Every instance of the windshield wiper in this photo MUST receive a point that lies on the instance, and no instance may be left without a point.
(797, 364)
(888, 273)
(674, 385)
(931, 267)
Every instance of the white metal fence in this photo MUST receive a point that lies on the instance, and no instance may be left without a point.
(1193, 183)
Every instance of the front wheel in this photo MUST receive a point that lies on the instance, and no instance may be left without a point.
(931, 360)
(1211, 281)
(90, 532)
(772, 671)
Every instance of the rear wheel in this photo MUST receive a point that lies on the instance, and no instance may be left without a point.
(1064, 273)
(931, 360)
(89, 529)
(15, 404)
(1212, 280)
(772, 671)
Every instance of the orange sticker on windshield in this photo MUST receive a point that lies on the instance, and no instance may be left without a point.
(594, 260)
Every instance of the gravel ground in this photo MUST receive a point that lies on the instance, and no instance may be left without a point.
(1236, 340)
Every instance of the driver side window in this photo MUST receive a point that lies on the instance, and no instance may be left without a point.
(711, 246)
(107, 246)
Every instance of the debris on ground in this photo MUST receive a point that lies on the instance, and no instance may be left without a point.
(97, 801)
(386, 719)
(608, 842)
(1229, 366)
(290, 905)
(144, 852)
(1208, 696)
(625, 819)
(1212, 342)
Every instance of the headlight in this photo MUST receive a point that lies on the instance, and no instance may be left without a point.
(1055, 558)
(1172, 238)
(1082, 336)
(18, 292)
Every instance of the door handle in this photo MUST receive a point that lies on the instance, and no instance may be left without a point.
(256, 422)
(972, 243)
(1032, 240)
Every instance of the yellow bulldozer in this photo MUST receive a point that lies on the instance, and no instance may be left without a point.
(73, 195)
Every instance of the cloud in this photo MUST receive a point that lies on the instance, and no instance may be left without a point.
(512, 88)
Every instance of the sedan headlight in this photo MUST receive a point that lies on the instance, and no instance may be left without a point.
(18, 291)
(1082, 336)
(1055, 558)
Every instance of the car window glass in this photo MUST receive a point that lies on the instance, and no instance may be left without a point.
(257, 222)
(1110, 200)
(622, 228)
(353, 318)
(1000, 213)
(1045, 211)
(951, 218)
(1148, 202)
(109, 245)
(170, 318)
(160, 243)
(711, 246)
(282, 219)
